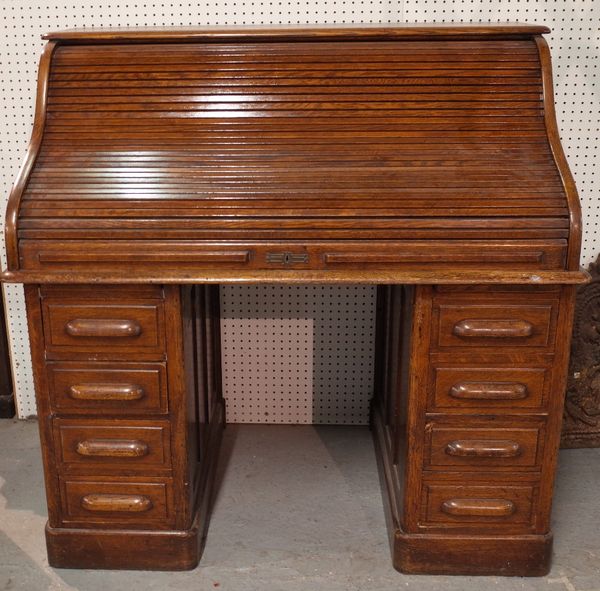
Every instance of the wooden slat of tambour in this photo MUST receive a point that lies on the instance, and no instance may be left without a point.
(325, 141)
(379, 87)
(281, 73)
(295, 234)
(151, 200)
(93, 96)
(366, 215)
(255, 157)
(303, 193)
(332, 232)
(203, 127)
(155, 56)
(397, 128)
(341, 221)
(401, 80)
(174, 206)
(201, 62)
(280, 185)
(261, 60)
(258, 162)
(287, 231)
(405, 77)
(196, 207)
(199, 56)
(250, 47)
(281, 128)
(239, 187)
(277, 167)
(319, 55)
(284, 175)
(315, 110)
(99, 96)
(303, 209)
(211, 211)
(214, 142)
(257, 195)
(254, 153)
(315, 51)
(264, 161)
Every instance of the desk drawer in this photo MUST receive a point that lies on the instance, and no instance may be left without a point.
(115, 446)
(112, 331)
(103, 388)
(117, 503)
(472, 448)
(494, 325)
(474, 506)
(487, 389)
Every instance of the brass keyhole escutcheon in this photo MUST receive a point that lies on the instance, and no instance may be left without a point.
(287, 258)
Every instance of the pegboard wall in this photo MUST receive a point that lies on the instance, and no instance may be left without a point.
(297, 354)
(300, 354)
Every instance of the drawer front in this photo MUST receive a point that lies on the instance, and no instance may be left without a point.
(114, 330)
(474, 506)
(487, 389)
(116, 446)
(465, 448)
(81, 388)
(120, 504)
(495, 326)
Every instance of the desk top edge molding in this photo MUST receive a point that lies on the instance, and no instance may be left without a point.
(296, 32)
(429, 277)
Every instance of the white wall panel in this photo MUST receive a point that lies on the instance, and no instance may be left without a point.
(300, 354)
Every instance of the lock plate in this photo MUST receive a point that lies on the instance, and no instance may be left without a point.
(287, 258)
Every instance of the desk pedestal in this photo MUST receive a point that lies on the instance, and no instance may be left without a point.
(469, 385)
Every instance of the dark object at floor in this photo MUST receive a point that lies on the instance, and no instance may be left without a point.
(581, 422)
(7, 399)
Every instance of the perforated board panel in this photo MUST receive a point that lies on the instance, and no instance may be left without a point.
(324, 398)
(297, 354)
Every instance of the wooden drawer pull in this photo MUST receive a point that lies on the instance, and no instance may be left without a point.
(489, 391)
(476, 448)
(491, 328)
(121, 503)
(103, 327)
(478, 507)
(106, 392)
(112, 448)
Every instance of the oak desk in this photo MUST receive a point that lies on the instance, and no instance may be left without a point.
(422, 158)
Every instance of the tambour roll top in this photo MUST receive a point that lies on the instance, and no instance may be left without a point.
(323, 150)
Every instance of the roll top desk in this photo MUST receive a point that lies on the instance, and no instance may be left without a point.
(423, 159)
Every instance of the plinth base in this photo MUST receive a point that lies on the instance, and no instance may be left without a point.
(124, 549)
